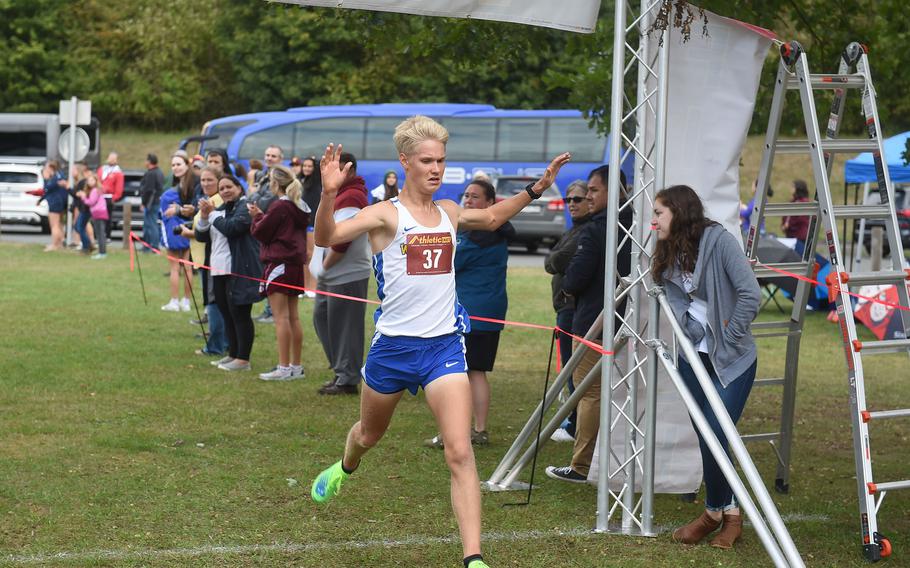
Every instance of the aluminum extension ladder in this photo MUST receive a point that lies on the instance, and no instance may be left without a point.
(793, 74)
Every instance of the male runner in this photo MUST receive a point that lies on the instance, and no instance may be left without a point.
(419, 324)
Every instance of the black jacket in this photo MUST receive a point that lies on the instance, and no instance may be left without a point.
(151, 187)
(584, 278)
(235, 225)
(558, 260)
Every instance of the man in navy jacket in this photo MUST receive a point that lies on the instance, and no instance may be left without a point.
(584, 280)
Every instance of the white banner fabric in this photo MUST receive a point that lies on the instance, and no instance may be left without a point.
(570, 15)
(712, 88)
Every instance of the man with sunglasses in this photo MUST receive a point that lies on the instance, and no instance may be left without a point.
(584, 281)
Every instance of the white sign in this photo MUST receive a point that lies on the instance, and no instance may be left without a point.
(82, 144)
(569, 15)
(83, 112)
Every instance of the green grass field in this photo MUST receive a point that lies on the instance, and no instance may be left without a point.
(120, 447)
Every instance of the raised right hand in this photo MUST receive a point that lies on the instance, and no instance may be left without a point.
(333, 175)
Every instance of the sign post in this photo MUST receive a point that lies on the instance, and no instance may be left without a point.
(74, 112)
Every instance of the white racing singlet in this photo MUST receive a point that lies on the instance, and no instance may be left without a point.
(415, 280)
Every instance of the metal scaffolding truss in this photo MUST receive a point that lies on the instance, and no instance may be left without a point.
(636, 120)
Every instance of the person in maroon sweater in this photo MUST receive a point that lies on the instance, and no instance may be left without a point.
(797, 227)
(282, 234)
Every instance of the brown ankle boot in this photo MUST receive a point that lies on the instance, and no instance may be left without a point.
(729, 533)
(695, 531)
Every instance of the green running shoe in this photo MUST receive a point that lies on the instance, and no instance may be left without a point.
(327, 484)
(478, 564)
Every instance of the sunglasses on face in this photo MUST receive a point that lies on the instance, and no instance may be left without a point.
(575, 200)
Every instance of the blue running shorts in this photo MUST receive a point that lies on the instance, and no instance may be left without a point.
(395, 363)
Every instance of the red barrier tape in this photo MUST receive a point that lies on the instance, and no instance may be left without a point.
(813, 281)
(134, 239)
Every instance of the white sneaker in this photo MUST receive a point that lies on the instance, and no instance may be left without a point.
(185, 305)
(234, 365)
(297, 371)
(560, 435)
(222, 361)
(279, 374)
(172, 306)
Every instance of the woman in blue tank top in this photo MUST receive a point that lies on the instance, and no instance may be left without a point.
(420, 324)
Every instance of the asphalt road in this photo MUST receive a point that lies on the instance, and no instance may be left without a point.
(518, 256)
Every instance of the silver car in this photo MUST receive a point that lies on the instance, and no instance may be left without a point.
(541, 222)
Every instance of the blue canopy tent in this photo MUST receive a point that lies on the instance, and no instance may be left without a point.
(861, 169)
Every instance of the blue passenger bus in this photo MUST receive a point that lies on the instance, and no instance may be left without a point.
(482, 138)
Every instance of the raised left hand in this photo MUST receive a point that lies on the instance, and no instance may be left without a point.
(549, 176)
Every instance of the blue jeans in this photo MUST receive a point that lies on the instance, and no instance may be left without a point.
(217, 343)
(267, 310)
(718, 495)
(82, 222)
(564, 322)
(151, 232)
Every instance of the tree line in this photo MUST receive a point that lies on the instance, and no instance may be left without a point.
(166, 65)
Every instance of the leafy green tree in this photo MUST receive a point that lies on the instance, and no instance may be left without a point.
(149, 63)
(30, 42)
(176, 64)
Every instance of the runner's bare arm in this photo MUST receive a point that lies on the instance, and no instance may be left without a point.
(326, 231)
(492, 217)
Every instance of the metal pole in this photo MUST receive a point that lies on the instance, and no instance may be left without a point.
(742, 495)
(616, 111)
(509, 480)
(505, 465)
(650, 421)
(736, 443)
(74, 106)
(635, 302)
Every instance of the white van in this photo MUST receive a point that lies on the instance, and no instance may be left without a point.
(21, 186)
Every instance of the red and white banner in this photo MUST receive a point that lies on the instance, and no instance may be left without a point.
(570, 15)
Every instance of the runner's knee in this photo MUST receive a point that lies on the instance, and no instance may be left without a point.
(459, 453)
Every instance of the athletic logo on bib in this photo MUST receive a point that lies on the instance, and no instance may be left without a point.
(429, 253)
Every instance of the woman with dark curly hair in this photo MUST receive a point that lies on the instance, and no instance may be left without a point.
(714, 296)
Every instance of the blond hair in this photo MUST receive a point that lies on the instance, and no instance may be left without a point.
(416, 129)
(287, 183)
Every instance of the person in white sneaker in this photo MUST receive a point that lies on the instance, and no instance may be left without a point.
(235, 254)
(175, 210)
(282, 236)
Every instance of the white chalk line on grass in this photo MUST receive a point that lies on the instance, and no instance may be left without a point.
(292, 548)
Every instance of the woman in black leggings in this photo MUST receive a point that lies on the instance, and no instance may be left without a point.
(235, 254)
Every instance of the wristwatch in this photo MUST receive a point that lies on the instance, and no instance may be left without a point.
(531, 191)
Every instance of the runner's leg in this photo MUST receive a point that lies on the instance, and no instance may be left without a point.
(376, 410)
(279, 303)
(449, 398)
(480, 393)
(296, 330)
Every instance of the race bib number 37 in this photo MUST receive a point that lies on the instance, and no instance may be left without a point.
(429, 253)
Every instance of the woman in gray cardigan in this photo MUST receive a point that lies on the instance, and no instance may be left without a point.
(715, 297)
